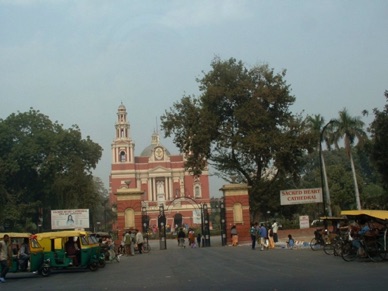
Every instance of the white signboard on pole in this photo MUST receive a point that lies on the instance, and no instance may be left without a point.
(69, 218)
(304, 221)
(301, 196)
(196, 216)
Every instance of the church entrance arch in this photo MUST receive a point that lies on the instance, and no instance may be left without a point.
(178, 220)
(201, 215)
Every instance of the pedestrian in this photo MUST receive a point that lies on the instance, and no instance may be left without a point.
(127, 243)
(253, 233)
(271, 243)
(5, 257)
(191, 237)
(263, 237)
(181, 238)
(139, 241)
(133, 242)
(199, 239)
(24, 255)
(234, 234)
(275, 227)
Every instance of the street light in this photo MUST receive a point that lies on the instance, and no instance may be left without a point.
(223, 222)
(144, 219)
(323, 172)
(162, 228)
(206, 224)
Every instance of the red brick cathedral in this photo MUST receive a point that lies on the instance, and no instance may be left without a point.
(139, 185)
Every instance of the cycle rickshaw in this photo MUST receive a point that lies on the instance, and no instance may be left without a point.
(371, 244)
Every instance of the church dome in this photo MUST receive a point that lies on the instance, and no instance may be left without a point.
(155, 142)
(122, 107)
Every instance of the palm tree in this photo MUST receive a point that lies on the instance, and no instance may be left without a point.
(349, 128)
(316, 125)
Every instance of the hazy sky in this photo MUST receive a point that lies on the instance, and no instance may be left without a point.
(76, 61)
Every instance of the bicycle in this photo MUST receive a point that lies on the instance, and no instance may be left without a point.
(319, 240)
(146, 248)
(339, 241)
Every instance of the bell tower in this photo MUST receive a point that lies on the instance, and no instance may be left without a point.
(122, 146)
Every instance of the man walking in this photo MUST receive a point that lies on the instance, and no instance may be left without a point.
(275, 228)
(133, 241)
(254, 235)
(263, 237)
(5, 257)
(127, 243)
(139, 241)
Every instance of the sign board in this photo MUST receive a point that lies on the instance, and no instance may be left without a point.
(301, 196)
(304, 221)
(196, 216)
(69, 219)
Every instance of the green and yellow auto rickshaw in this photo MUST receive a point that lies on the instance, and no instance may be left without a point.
(69, 249)
(34, 261)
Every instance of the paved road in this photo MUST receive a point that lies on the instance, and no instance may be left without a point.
(216, 268)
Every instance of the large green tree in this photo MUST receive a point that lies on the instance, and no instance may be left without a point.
(242, 125)
(43, 165)
(379, 149)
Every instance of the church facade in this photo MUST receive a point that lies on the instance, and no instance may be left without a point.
(141, 185)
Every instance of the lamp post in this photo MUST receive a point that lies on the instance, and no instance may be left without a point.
(326, 198)
(206, 225)
(162, 228)
(223, 223)
(144, 219)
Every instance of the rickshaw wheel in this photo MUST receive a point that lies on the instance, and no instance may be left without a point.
(328, 249)
(101, 263)
(93, 266)
(45, 271)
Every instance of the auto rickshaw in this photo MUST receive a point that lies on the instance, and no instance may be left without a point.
(35, 263)
(69, 249)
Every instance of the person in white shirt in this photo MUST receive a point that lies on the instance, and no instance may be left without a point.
(5, 256)
(275, 228)
(24, 255)
(139, 241)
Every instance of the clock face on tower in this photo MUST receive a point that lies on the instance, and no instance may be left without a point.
(159, 153)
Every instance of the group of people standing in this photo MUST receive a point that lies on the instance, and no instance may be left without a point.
(268, 235)
(130, 240)
(194, 241)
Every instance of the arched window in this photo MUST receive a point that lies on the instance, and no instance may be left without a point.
(197, 191)
(129, 218)
(123, 156)
(237, 213)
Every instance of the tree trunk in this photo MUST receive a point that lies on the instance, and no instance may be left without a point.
(328, 200)
(357, 193)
